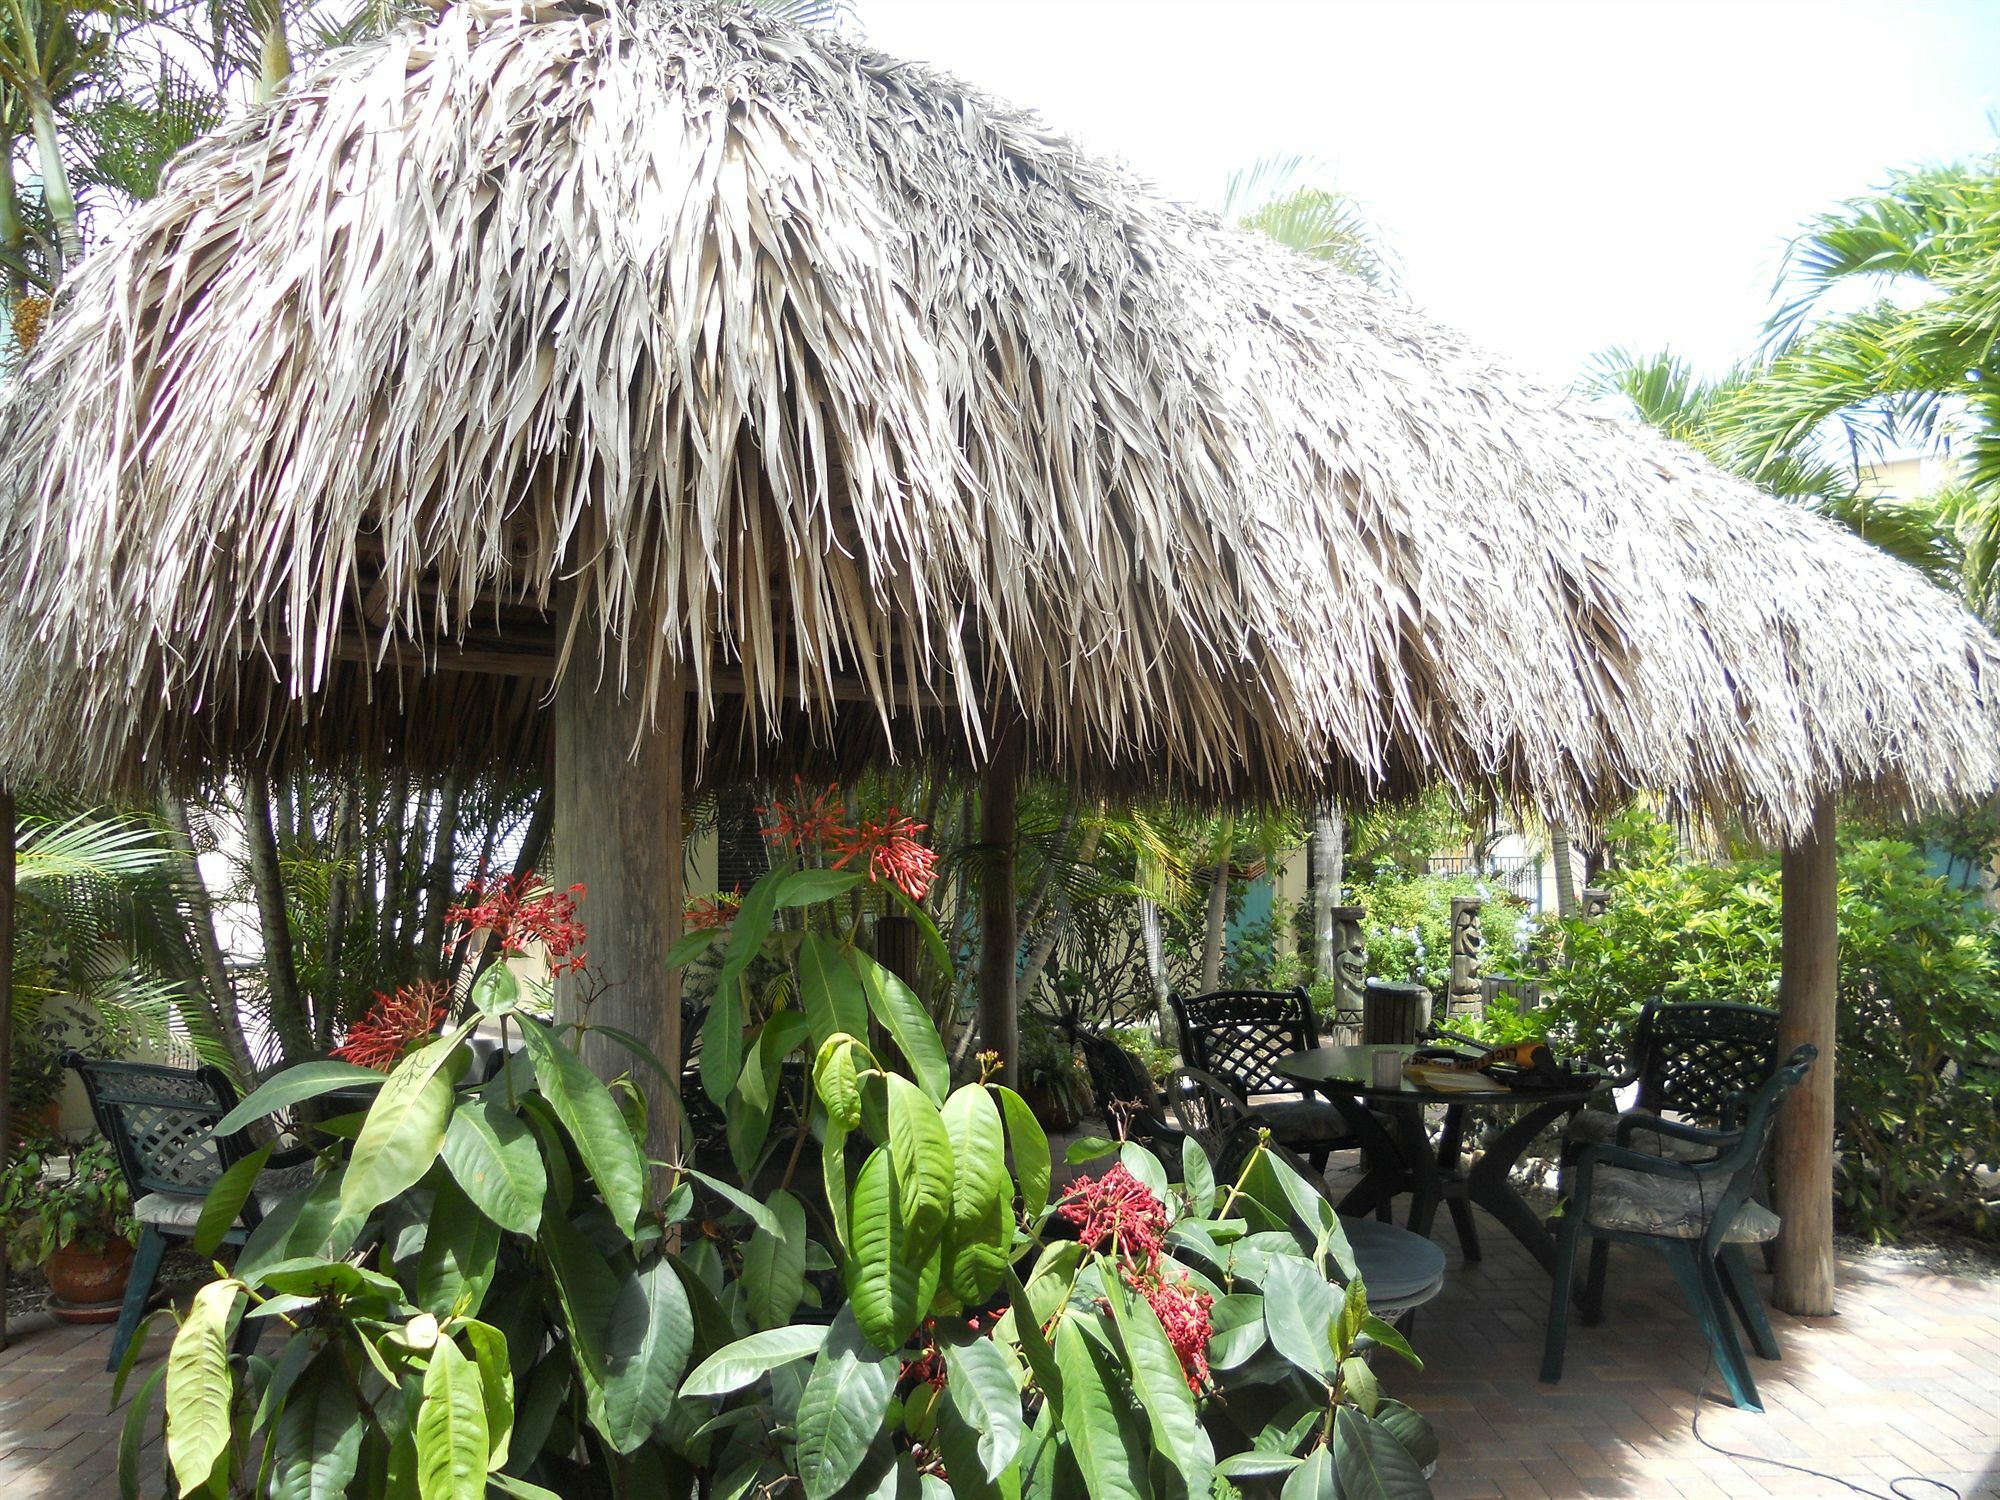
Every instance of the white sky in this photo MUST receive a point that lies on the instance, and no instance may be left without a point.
(1555, 178)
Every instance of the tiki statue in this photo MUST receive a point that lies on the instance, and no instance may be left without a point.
(1468, 943)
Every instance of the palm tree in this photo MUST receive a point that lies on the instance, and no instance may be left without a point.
(1275, 198)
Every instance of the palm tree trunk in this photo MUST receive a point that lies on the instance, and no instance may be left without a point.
(57, 196)
(200, 917)
(438, 881)
(344, 834)
(274, 48)
(1329, 876)
(13, 229)
(1217, 934)
(1561, 853)
(281, 975)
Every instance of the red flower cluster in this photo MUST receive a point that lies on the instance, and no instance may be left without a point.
(380, 1038)
(892, 852)
(1184, 1314)
(888, 846)
(1117, 1208)
(706, 913)
(517, 911)
(1119, 1212)
(803, 826)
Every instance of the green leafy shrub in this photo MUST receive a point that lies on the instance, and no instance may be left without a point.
(43, 1211)
(1398, 904)
(1919, 1005)
(872, 1294)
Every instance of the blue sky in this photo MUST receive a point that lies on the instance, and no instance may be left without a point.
(1555, 178)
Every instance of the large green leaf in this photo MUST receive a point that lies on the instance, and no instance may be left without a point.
(452, 1443)
(1410, 1428)
(735, 1365)
(1160, 1384)
(316, 1446)
(751, 927)
(1030, 1146)
(1236, 1329)
(774, 1265)
(843, 1407)
(591, 1116)
(1311, 1479)
(1299, 1309)
(903, 1016)
(1104, 1433)
(461, 1253)
(492, 1156)
(1197, 1177)
(199, 1388)
(588, 1289)
(830, 990)
(805, 887)
(759, 1213)
(922, 1151)
(988, 1397)
(1034, 1346)
(404, 1129)
(1371, 1463)
(496, 1385)
(721, 1060)
(646, 1349)
(836, 1081)
(981, 1229)
(132, 1433)
(224, 1203)
(295, 1085)
(882, 1281)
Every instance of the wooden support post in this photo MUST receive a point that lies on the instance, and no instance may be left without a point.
(6, 1012)
(999, 938)
(1802, 1161)
(618, 833)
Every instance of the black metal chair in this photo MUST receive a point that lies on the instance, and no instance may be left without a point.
(1127, 1097)
(1698, 1214)
(161, 1124)
(1239, 1036)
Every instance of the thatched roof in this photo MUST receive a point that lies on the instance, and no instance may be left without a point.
(884, 411)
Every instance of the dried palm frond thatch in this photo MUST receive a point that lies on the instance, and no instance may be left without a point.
(886, 414)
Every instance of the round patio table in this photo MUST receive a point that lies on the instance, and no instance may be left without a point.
(1405, 1161)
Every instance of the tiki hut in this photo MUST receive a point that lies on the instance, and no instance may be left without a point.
(640, 387)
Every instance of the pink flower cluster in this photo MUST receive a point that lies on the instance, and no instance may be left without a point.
(1118, 1212)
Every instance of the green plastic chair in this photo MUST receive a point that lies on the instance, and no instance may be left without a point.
(1698, 1214)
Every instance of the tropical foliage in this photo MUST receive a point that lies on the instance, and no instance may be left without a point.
(1919, 1030)
(865, 1287)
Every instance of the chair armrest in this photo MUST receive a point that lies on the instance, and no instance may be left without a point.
(1601, 1155)
(1631, 1124)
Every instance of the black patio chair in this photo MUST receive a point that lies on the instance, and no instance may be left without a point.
(161, 1124)
(1127, 1098)
(1698, 1214)
(1239, 1036)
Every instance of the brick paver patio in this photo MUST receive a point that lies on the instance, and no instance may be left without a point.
(1906, 1380)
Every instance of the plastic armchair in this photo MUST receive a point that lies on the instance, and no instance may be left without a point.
(1697, 1213)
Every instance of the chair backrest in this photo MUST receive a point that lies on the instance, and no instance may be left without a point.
(161, 1122)
(1239, 1035)
(1120, 1085)
(1739, 1167)
(1702, 1061)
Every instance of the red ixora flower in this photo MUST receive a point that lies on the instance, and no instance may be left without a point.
(707, 912)
(519, 911)
(410, 1014)
(890, 848)
(801, 825)
(1184, 1314)
(1117, 1206)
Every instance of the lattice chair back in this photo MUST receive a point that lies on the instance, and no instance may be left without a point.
(1240, 1035)
(161, 1122)
(1703, 1061)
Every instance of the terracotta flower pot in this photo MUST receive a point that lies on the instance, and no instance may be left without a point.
(88, 1280)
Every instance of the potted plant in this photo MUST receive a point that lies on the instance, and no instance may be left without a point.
(35, 1080)
(1054, 1080)
(87, 1229)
